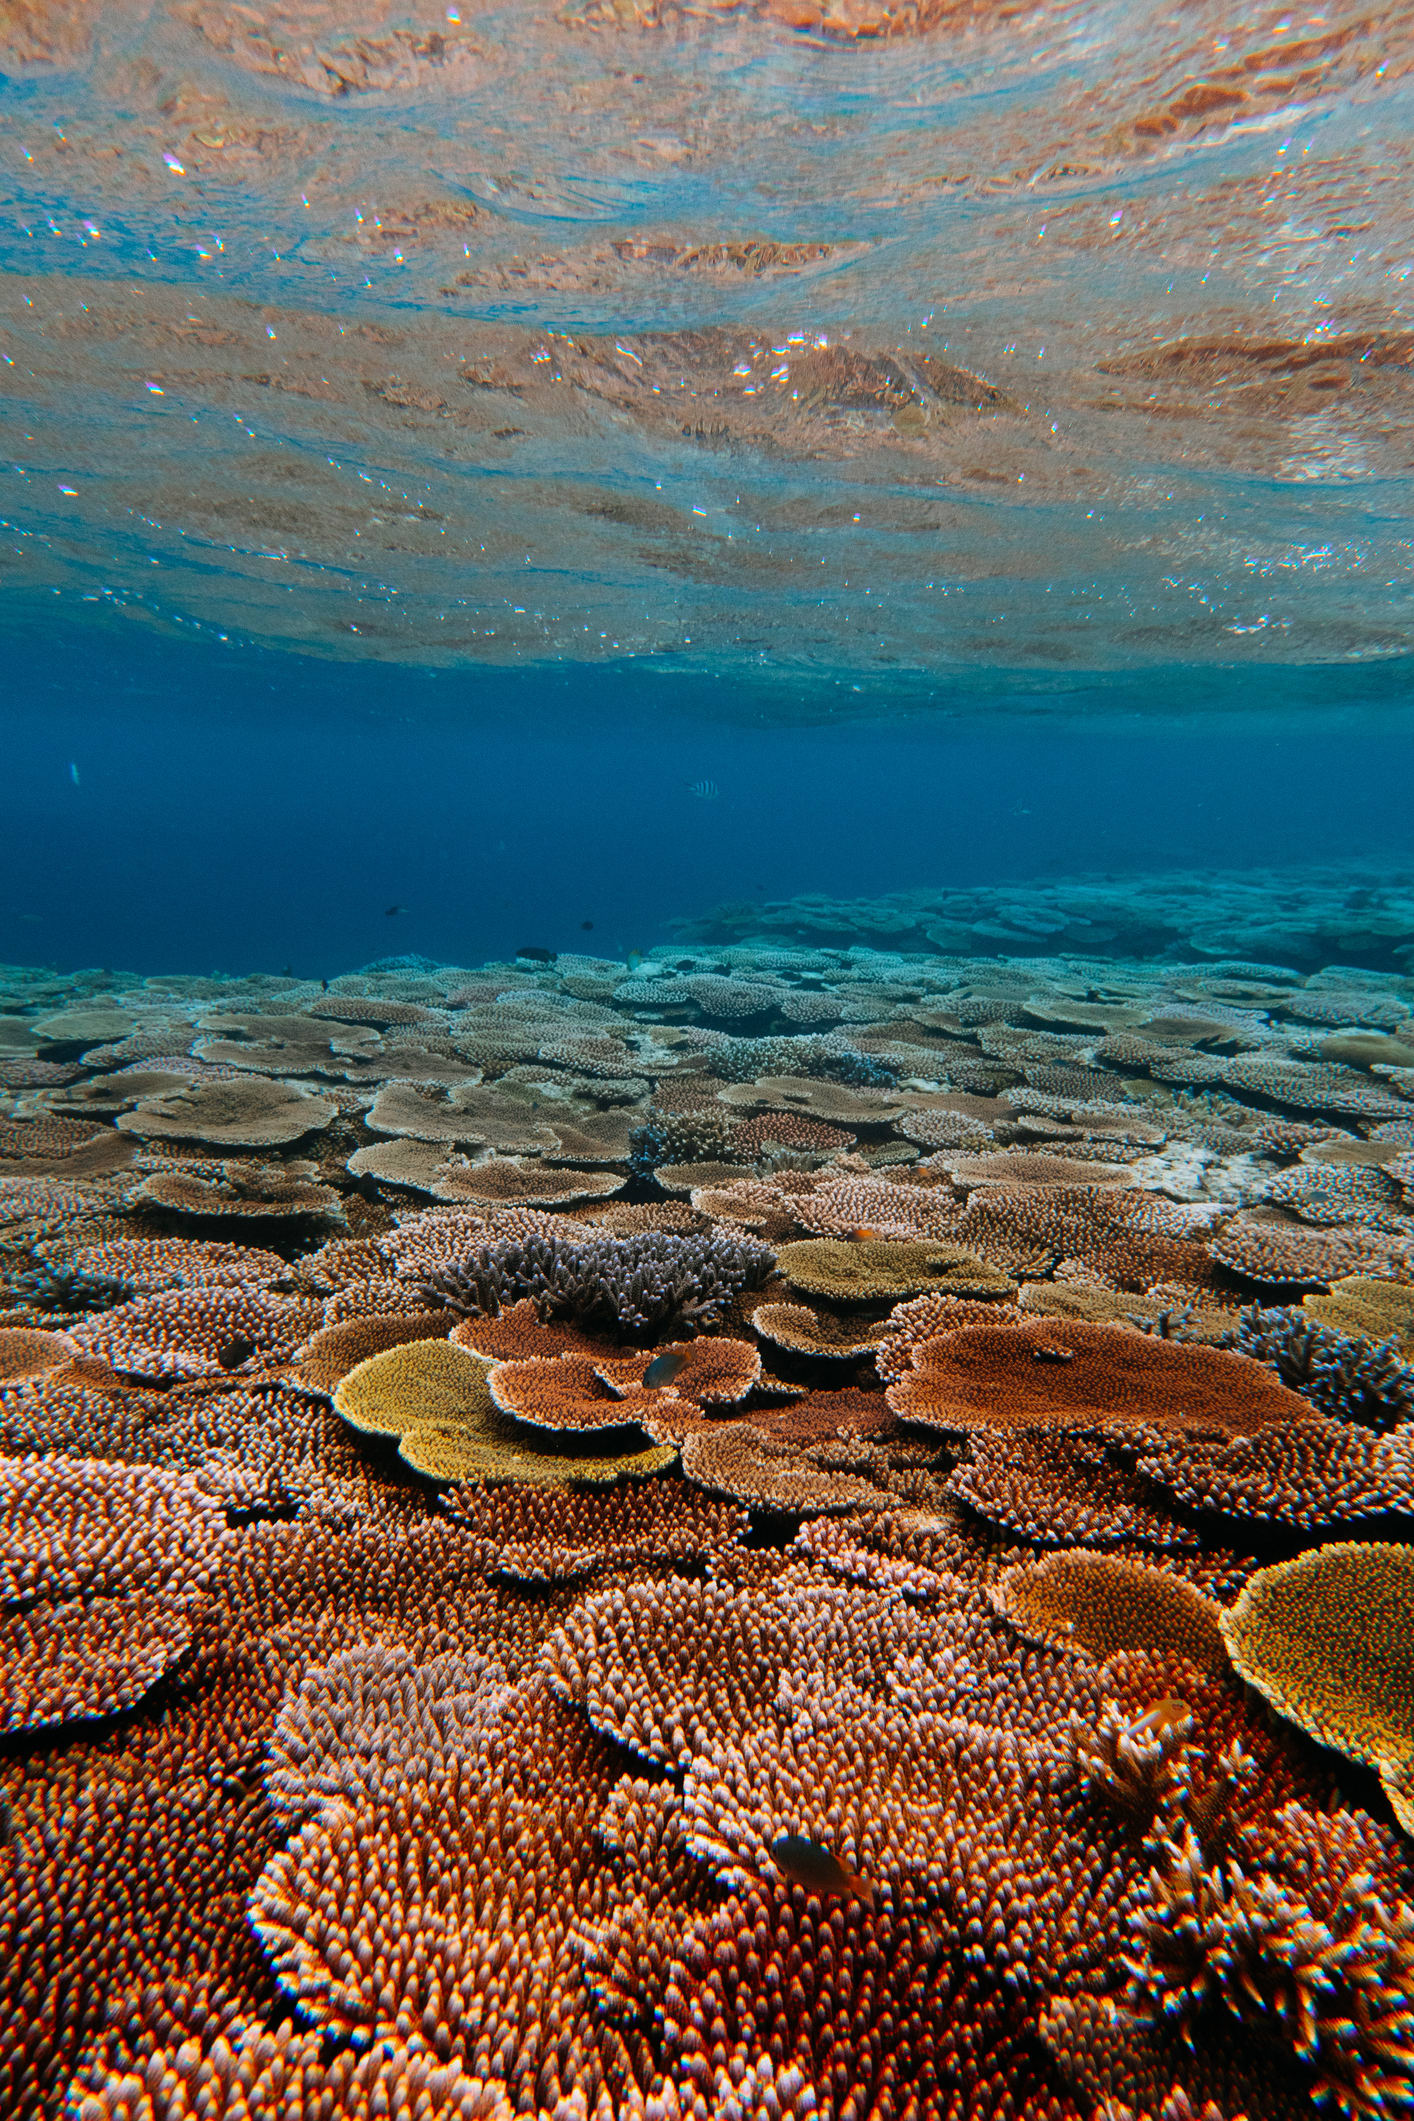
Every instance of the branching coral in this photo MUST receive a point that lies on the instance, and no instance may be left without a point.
(1346, 1377)
(635, 1283)
(1338, 1989)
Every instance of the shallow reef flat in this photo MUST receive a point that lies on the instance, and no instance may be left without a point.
(798, 1527)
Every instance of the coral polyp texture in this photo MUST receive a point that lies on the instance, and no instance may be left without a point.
(738, 1537)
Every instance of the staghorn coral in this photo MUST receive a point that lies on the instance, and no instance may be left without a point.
(994, 1798)
(1100, 1604)
(876, 1270)
(1336, 1988)
(1325, 1638)
(103, 1570)
(635, 1283)
(1347, 1378)
(1056, 1373)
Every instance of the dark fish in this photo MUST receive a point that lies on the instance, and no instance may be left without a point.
(235, 1352)
(664, 1368)
(537, 953)
(586, 925)
(818, 1869)
(389, 911)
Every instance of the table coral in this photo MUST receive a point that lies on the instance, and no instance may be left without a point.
(103, 1569)
(435, 1400)
(799, 1636)
(877, 1270)
(1058, 1373)
(1098, 1604)
(1325, 1638)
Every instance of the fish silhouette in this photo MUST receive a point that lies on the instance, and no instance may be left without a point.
(537, 953)
(807, 1863)
(706, 790)
(235, 1352)
(389, 911)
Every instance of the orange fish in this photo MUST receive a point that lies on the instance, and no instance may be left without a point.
(1163, 1715)
(818, 1869)
(864, 1235)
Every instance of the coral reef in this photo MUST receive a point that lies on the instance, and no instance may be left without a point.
(854, 1639)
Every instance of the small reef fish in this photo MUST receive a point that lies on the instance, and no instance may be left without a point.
(664, 1368)
(818, 1870)
(389, 911)
(633, 959)
(586, 926)
(235, 1352)
(1163, 1715)
(73, 773)
(537, 953)
(864, 1235)
(706, 791)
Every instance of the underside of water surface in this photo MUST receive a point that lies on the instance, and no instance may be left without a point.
(706, 1061)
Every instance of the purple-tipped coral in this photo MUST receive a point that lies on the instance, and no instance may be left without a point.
(632, 1282)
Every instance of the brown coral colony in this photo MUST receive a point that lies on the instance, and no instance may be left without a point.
(575, 1544)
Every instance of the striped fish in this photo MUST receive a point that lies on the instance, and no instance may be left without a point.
(707, 790)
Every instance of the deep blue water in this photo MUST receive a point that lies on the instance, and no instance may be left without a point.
(237, 809)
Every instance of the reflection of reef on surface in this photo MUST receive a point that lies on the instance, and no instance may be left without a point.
(772, 341)
(476, 1657)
